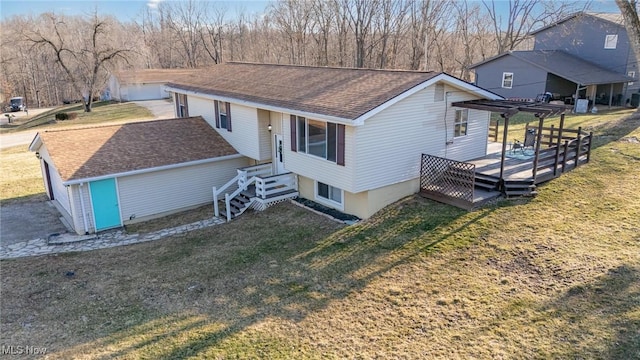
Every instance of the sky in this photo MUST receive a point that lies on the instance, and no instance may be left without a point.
(131, 9)
(123, 10)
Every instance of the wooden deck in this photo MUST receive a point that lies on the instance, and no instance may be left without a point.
(519, 164)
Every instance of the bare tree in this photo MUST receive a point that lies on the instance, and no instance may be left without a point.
(211, 33)
(293, 19)
(186, 20)
(522, 17)
(361, 14)
(83, 58)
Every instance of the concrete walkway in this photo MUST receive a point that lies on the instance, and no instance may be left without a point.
(71, 243)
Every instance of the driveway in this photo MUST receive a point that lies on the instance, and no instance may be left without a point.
(27, 221)
(161, 109)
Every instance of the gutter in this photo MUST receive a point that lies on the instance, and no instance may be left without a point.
(330, 118)
(153, 169)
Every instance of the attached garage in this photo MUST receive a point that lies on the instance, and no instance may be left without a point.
(105, 177)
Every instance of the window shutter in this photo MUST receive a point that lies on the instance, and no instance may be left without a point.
(228, 106)
(340, 151)
(176, 102)
(186, 106)
(294, 138)
(217, 113)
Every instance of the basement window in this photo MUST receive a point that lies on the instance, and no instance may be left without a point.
(328, 194)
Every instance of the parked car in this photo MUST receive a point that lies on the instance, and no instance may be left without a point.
(17, 104)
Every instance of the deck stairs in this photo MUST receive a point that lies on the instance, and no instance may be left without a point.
(241, 202)
(256, 187)
(486, 182)
(511, 187)
(517, 188)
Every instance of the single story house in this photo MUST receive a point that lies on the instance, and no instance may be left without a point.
(349, 139)
(105, 177)
(146, 84)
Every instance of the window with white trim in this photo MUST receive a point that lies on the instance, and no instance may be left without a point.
(611, 41)
(460, 123)
(317, 138)
(507, 80)
(222, 109)
(182, 109)
(328, 193)
(633, 75)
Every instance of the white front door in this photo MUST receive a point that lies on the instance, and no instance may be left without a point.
(278, 156)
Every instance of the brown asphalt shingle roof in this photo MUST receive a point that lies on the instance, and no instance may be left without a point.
(146, 76)
(99, 151)
(341, 92)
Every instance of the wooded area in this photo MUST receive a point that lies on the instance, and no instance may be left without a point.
(52, 58)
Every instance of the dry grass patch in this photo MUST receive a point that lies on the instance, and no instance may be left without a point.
(20, 177)
(177, 219)
(557, 276)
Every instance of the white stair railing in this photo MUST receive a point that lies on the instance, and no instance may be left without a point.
(273, 184)
(228, 197)
(218, 191)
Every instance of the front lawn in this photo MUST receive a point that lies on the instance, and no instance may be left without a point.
(556, 276)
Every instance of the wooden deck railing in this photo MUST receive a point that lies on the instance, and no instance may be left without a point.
(448, 181)
(565, 154)
(494, 125)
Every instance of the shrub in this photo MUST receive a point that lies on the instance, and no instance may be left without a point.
(66, 116)
(62, 116)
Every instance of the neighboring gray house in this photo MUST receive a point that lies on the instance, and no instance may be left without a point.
(586, 55)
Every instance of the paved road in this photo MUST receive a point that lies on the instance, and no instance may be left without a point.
(162, 109)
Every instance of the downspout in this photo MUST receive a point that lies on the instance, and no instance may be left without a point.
(84, 213)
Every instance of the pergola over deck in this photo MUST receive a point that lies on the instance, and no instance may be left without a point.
(508, 108)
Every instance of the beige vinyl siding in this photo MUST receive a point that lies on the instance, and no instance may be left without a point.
(77, 220)
(264, 134)
(389, 144)
(247, 135)
(60, 192)
(149, 194)
(317, 168)
(474, 144)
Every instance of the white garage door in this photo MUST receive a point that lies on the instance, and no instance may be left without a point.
(146, 92)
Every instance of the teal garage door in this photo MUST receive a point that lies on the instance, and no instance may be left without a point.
(105, 204)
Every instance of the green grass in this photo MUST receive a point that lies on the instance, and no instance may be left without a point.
(102, 112)
(556, 276)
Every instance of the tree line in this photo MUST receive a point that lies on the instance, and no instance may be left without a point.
(52, 57)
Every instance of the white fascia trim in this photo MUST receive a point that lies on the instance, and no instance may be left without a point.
(441, 77)
(153, 169)
(256, 105)
(36, 143)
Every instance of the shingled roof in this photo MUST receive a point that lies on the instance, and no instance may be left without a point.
(564, 65)
(148, 76)
(100, 151)
(340, 92)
